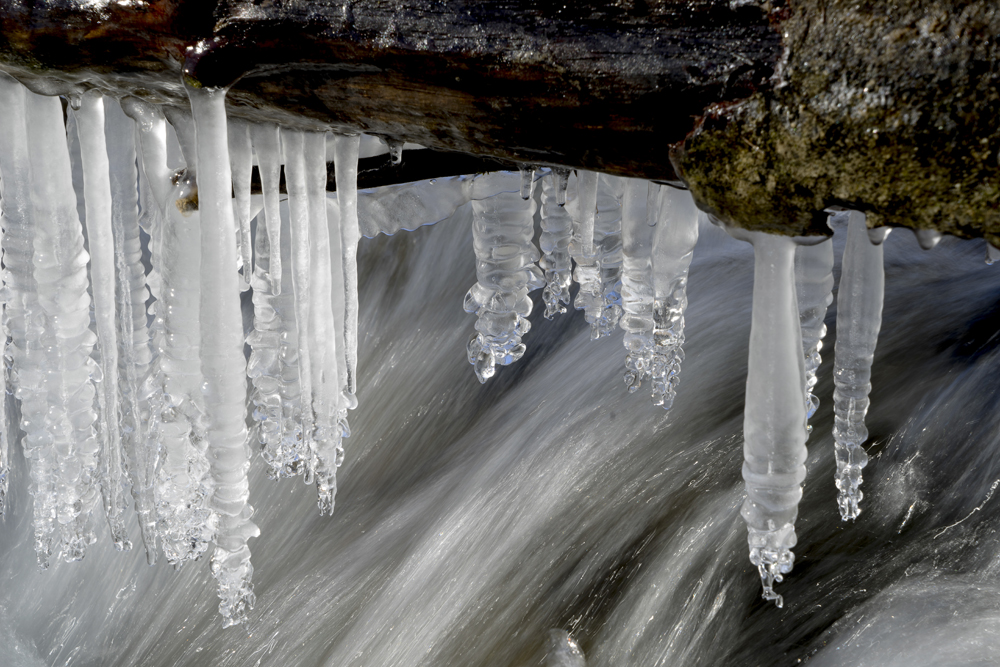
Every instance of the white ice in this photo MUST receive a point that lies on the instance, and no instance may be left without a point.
(859, 318)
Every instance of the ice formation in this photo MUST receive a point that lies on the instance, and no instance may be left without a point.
(673, 247)
(131, 373)
(502, 229)
(814, 291)
(859, 318)
(596, 248)
(774, 449)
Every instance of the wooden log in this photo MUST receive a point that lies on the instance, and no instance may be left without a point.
(597, 85)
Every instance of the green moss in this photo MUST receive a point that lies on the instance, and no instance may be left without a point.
(892, 111)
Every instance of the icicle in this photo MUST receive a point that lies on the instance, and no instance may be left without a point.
(21, 309)
(273, 366)
(97, 196)
(814, 291)
(774, 438)
(222, 361)
(346, 164)
(928, 238)
(302, 274)
(637, 282)
(992, 254)
(673, 246)
(326, 382)
(267, 147)
(175, 432)
(58, 397)
(598, 269)
(241, 164)
(154, 181)
(395, 151)
(562, 182)
(859, 318)
(527, 180)
(502, 227)
(133, 334)
(557, 229)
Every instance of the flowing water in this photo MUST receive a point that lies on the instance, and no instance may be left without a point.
(496, 524)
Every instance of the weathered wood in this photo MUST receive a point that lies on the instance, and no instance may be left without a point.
(597, 85)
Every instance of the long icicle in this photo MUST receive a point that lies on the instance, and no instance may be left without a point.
(241, 164)
(557, 230)
(345, 156)
(814, 291)
(774, 435)
(302, 288)
(22, 300)
(97, 196)
(185, 522)
(326, 384)
(859, 318)
(266, 142)
(133, 333)
(273, 365)
(59, 412)
(673, 247)
(637, 282)
(222, 361)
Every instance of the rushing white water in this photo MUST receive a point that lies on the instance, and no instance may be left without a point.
(859, 319)
(475, 520)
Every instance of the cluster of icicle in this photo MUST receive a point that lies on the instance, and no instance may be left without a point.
(132, 375)
(631, 243)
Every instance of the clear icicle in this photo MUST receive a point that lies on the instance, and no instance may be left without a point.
(273, 366)
(637, 282)
(302, 274)
(133, 334)
(21, 302)
(97, 196)
(562, 183)
(527, 180)
(502, 228)
(241, 164)
(557, 230)
(175, 430)
(859, 318)
(222, 361)
(596, 247)
(673, 247)
(58, 390)
(326, 382)
(345, 156)
(814, 291)
(267, 147)
(774, 439)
